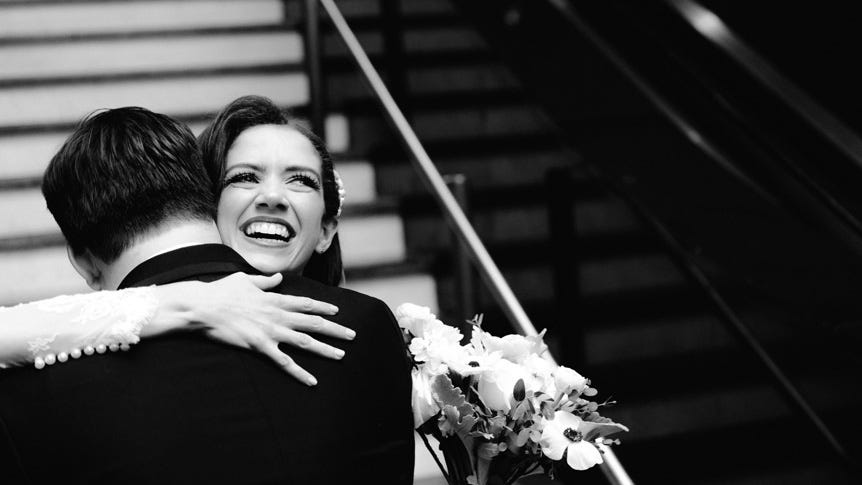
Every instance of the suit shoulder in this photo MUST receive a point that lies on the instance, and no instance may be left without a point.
(342, 297)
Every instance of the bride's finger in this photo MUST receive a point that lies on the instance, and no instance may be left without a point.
(285, 362)
(304, 304)
(306, 342)
(316, 324)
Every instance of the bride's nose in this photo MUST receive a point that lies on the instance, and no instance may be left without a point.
(272, 195)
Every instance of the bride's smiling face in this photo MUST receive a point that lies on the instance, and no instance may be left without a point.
(271, 207)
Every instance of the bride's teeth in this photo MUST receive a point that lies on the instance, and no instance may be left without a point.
(267, 228)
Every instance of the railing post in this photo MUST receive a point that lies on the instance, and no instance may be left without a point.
(314, 63)
(464, 280)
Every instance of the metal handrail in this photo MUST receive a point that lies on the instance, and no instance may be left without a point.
(455, 217)
(683, 258)
(687, 263)
(714, 30)
(694, 136)
(432, 178)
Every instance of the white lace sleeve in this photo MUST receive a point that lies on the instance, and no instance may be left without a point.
(48, 331)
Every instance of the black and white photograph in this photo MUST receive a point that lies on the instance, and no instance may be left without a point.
(430, 242)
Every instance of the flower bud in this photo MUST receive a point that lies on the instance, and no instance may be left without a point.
(568, 380)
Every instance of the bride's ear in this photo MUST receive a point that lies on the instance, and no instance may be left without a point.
(86, 266)
(327, 233)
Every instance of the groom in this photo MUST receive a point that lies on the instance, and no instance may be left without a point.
(128, 186)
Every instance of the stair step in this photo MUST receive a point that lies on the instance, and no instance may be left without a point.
(420, 35)
(466, 129)
(629, 273)
(145, 56)
(359, 11)
(418, 288)
(679, 413)
(23, 212)
(776, 458)
(431, 79)
(372, 239)
(36, 19)
(66, 104)
(24, 156)
(37, 273)
(603, 225)
(337, 131)
(359, 182)
(489, 176)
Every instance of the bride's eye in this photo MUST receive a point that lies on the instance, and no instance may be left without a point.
(305, 180)
(239, 178)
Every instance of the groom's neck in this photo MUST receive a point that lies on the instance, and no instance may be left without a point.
(166, 237)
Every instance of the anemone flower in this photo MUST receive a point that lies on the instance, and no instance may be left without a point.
(568, 433)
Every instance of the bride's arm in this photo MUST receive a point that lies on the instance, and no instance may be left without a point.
(234, 310)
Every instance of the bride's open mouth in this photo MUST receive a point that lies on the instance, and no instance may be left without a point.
(269, 231)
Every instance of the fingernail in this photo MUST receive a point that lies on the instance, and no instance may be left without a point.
(350, 334)
(312, 381)
(339, 353)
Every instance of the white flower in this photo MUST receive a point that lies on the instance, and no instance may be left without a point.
(439, 348)
(566, 433)
(497, 383)
(424, 404)
(513, 347)
(415, 319)
(568, 380)
(543, 371)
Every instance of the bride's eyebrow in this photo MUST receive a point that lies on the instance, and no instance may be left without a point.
(246, 166)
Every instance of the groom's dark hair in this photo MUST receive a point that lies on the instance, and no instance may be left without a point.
(121, 173)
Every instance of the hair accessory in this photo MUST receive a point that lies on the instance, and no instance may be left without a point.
(341, 192)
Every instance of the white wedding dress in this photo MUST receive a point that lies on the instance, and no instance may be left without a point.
(54, 330)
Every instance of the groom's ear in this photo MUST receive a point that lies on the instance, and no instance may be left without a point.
(86, 266)
(327, 232)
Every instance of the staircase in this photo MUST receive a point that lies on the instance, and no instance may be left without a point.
(692, 394)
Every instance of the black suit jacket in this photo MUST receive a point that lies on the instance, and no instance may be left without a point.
(185, 409)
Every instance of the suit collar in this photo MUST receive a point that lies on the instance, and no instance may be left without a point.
(185, 263)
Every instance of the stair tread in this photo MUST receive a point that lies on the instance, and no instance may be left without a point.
(158, 57)
(70, 18)
(52, 106)
(775, 447)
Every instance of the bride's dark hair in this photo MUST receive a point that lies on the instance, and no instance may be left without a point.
(249, 111)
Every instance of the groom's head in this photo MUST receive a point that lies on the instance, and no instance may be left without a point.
(122, 173)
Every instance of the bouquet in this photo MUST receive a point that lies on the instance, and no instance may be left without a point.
(499, 409)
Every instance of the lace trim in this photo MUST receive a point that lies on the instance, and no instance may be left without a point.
(105, 320)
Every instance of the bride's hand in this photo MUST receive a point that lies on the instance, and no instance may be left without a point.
(237, 311)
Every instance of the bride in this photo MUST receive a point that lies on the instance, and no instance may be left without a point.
(233, 310)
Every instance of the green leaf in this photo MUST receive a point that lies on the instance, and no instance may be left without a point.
(458, 415)
(449, 395)
(593, 430)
